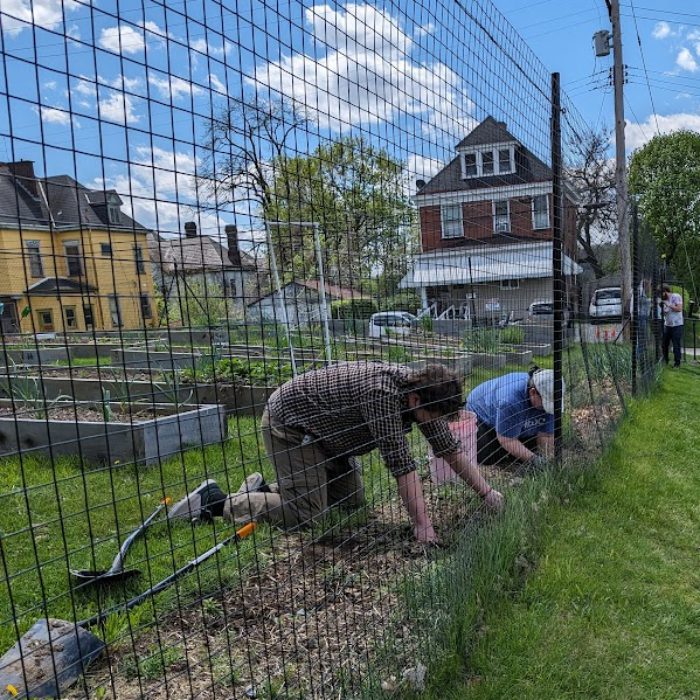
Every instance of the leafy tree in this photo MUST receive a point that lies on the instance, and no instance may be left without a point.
(593, 179)
(665, 178)
(356, 193)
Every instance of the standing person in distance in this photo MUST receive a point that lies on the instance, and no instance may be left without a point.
(672, 310)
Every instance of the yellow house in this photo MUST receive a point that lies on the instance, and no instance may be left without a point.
(70, 258)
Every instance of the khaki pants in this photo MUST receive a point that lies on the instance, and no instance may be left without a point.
(309, 481)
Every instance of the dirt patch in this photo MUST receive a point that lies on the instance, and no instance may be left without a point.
(89, 414)
(306, 621)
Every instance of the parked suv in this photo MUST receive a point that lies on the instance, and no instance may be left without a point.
(606, 302)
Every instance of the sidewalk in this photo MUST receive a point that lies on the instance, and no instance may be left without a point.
(612, 608)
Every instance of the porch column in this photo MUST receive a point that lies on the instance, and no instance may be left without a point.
(423, 298)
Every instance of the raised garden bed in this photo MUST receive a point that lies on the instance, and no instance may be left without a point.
(135, 433)
(515, 356)
(462, 364)
(153, 359)
(237, 399)
(487, 360)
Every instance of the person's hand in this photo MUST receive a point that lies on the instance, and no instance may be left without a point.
(425, 534)
(537, 462)
(494, 501)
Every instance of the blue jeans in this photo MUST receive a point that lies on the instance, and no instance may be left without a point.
(672, 334)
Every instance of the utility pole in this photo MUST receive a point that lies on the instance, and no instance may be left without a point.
(620, 156)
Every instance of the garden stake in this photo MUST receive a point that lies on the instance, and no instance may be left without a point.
(53, 654)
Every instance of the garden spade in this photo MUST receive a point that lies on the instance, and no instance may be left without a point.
(53, 654)
(117, 573)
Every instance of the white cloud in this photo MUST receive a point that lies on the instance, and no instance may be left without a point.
(661, 30)
(203, 46)
(170, 87)
(51, 115)
(160, 191)
(366, 75)
(216, 84)
(154, 29)
(48, 14)
(686, 61)
(420, 168)
(637, 134)
(50, 85)
(122, 39)
(118, 107)
(425, 30)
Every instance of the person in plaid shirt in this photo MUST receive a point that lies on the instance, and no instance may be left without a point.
(315, 426)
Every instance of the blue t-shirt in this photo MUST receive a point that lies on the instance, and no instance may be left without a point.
(504, 404)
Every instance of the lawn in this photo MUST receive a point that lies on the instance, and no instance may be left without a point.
(611, 609)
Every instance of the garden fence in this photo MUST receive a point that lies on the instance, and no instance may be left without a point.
(199, 202)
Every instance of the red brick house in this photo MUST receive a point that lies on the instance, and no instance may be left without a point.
(486, 229)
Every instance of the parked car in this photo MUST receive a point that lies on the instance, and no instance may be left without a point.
(606, 302)
(399, 323)
(544, 309)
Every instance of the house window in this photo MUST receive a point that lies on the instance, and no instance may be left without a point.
(487, 162)
(73, 259)
(451, 219)
(470, 165)
(114, 311)
(36, 266)
(510, 284)
(70, 318)
(106, 249)
(146, 307)
(540, 211)
(87, 315)
(114, 213)
(501, 216)
(45, 320)
(505, 163)
(138, 256)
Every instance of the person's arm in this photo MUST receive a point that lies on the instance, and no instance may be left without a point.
(545, 443)
(516, 448)
(676, 305)
(471, 474)
(411, 491)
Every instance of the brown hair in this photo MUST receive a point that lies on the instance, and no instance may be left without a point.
(438, 389)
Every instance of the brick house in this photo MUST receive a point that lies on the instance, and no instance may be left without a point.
(486, 229)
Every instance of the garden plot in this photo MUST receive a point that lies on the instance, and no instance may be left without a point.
(107, 432)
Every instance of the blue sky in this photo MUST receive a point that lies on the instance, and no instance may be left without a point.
(560, 33)
(120, 92)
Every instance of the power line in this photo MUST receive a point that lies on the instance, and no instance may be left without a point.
(644, 64)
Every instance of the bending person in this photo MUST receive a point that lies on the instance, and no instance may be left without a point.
(316, 424)
(515, 417)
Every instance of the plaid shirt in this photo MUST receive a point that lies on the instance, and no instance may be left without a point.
(353, 407)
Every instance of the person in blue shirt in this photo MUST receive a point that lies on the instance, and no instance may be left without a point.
(515, 417)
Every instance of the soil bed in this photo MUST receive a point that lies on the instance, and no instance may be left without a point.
(72, 412)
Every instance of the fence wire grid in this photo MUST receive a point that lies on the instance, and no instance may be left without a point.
(260, 253)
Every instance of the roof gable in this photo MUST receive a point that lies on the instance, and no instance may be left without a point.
(488, 132)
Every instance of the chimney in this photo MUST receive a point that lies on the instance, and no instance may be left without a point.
(190, 229)
(234, 253)
(23, 170)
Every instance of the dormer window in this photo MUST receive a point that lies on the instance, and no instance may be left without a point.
(488, 161)
(114, 213)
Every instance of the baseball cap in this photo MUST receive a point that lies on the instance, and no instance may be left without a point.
(543, 380)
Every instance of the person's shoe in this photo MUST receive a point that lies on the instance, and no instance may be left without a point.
(202, 504)
(252, 483)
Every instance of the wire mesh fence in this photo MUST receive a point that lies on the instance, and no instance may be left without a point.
(254, 256)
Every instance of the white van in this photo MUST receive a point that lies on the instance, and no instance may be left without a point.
(606, 302)
(399, 323)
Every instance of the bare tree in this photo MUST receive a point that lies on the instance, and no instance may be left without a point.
(593, 179)
(241, 144)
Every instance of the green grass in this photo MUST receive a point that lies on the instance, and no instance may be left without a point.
(51, 513)
(612, 608)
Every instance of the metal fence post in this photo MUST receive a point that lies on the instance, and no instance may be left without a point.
(557, 254)
(634, 310)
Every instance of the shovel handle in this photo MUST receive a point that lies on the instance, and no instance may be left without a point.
(118, 563)
(240, 534)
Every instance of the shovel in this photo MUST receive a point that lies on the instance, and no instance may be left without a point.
(53, 654)
(117, 572)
